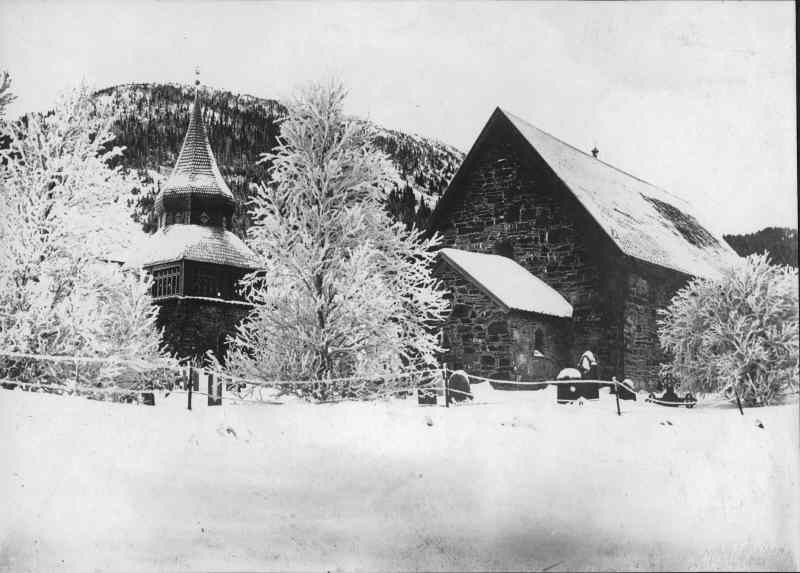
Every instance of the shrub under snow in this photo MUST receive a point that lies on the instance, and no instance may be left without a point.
(739, 331)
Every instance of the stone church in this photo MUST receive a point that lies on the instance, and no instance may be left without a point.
(613, 246)
(195, 260)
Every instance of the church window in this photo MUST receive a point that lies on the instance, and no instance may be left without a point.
(556, 236)
(512, 214)
(504, 249)
(538, 340)
(166, 281)
(204, 218)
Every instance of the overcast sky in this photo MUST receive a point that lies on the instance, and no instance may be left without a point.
(698, 98)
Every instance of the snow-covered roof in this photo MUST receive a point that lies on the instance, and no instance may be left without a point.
(193, 243)
(196, 171)
(644, 221)
(507, 282)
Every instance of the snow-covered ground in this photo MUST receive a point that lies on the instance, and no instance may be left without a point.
(518, 484)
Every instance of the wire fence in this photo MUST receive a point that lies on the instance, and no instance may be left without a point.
(434, 386)
(183, 378)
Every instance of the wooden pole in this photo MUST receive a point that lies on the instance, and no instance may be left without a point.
(616, 393)
(739, 403)
(446, 389)
(191, 383)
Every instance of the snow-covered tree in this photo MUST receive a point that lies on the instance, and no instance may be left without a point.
(6, 97)
(346, 292)
(63, 219)
(739, 331)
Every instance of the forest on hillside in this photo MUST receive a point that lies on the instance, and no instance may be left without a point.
(241, 128)
(779, 242)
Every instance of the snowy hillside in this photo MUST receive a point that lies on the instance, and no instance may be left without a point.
(516, 483)
(242, 127)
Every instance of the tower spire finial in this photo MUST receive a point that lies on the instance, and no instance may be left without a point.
(196, 78)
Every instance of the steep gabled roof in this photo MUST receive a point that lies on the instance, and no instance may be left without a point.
(196, 172)
(644, 221)
(193, 243)
(507, 283)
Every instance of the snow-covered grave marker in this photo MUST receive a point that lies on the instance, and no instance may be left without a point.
(569, 391)
(211, 387)
(214, 386)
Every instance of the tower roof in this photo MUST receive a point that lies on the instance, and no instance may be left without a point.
(196, 172)
(192, 243)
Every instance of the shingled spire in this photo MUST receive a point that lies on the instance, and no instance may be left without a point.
(195, 260)
(196, 174)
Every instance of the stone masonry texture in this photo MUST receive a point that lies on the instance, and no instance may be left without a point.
(485, 340)
(510, 202)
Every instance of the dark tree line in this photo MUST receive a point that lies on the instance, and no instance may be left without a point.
(240, 128)
(780, 243)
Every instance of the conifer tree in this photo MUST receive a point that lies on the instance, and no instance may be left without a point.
(346, 291)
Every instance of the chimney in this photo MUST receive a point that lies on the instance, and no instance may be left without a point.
(595, 152)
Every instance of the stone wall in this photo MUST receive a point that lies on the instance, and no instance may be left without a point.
(191, 327)
(510, 201)
(476, 333)
(483, 339)
(555, 337)
(649, 289)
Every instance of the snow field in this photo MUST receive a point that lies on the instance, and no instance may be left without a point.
(517, 484)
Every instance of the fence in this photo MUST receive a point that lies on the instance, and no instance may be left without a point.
(216, 386)
(213, 385)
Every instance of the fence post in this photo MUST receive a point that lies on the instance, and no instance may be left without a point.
(191, 383)
(149, 398)
(739, 403)
(616, 393)
(446, 389)
(77, 374)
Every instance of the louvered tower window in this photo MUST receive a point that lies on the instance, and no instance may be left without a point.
(166, 281)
